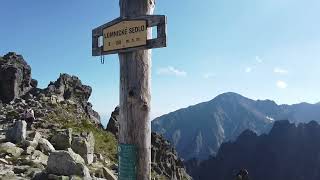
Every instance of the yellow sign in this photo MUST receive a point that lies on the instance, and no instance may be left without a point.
(125, 34)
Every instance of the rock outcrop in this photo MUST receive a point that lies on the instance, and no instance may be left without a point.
(165, 162)
(64, 119)
(18, 132)
(70, 88)
(289, 151)
(84, 146)
(15, 77)
(113, 124)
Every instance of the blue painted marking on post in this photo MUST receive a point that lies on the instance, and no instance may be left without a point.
(127, 154)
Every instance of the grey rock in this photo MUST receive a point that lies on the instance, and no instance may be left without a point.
(20, 169)
(15, 77)
(3, 161)
(40, 175)
(84, 146)
(165, 160)
(67, 163)
(113, 124)
(11, 149)
(45, 146)
(6, 172)
(34, 83)
(39, 158)
(18, 132)
(31, 172)
(34, 138)
(70, 88)
(93, 115)
(29, 150)
(62, 140)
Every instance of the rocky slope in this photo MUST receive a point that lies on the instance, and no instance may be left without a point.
(66, 140)
(165, 162)
(223, 119)
(289, 151)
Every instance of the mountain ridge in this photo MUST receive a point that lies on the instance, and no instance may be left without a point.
(277, 155)
(223, 119)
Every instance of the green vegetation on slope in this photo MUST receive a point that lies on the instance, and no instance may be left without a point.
(66, 116)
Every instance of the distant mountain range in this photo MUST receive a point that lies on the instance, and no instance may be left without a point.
(287, 152)
(199, 130)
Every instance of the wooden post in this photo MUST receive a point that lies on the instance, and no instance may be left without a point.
(135, 78)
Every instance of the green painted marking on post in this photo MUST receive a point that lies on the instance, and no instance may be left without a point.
(127, 154)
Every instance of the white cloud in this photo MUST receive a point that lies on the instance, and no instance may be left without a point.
(208, 75)
(281, 84)
(280, 70)
(258, 59)
(248, 69)
(171, 71)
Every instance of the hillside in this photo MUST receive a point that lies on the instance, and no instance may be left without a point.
(289, 151)
(223, 119)
(66, 140)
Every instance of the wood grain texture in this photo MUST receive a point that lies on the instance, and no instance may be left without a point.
(135, 97)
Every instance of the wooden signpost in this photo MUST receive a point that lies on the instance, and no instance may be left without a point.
(130, 36)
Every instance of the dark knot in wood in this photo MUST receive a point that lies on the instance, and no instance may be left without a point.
(131, 93)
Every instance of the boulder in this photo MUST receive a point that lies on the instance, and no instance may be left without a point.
(39, 158)
(62, 140)
(18, 132)
(10, 149)
(33, 139)
(15, 77)
(84, 146)
(67, 163)
(45, 146)
(34, 83)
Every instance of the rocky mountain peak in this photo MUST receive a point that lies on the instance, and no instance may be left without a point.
(69, 87)
(15, 77)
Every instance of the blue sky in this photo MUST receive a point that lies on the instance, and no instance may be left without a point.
(266, 49)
